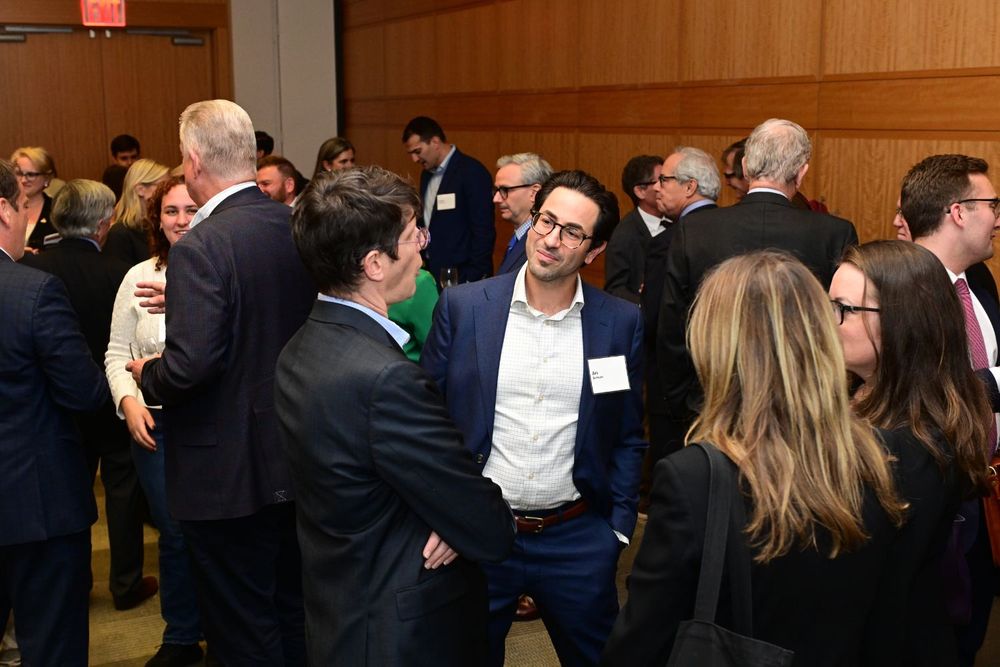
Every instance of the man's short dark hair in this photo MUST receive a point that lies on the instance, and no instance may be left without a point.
(934, 184)
(8, 184)
(425, 128)
(344, 215)
(592, 189)
(124, 143)
(265, 142)
(738, 149)
(638, 170)
(283, 164)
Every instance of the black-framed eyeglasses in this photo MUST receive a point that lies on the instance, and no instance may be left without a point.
(663, 178)
(570, 236)
(994, 203)
(29, 175)
(504, 190)
(840, 308)
(423, 238)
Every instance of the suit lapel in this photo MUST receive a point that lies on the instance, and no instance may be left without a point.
(490, 321)
(597, 330)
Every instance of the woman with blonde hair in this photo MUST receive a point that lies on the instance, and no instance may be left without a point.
(127, 236)
(34, 169)
(821, 505)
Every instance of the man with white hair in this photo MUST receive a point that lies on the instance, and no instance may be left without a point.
(519, 178)
(237, 292)
(688, 182)
(776, 161)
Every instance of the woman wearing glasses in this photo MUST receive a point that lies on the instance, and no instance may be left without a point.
(821, 505)
(34, 169)
(902, 328)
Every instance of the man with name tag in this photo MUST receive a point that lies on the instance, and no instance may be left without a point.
(543, 375)
(458, 204)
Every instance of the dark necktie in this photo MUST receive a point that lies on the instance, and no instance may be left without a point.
(510, 245)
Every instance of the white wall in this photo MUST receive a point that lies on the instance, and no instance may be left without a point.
(284, 72)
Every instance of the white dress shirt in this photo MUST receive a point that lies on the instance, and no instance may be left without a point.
(430, 196)
(654, 223)
(210, 205)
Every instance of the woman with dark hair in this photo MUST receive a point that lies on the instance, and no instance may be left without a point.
(821, 506)
(903, 332)
(134, 330)
(335, 154)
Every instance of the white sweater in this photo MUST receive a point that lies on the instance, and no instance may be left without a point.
(131, 322)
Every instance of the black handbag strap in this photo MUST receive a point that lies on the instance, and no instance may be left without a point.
(726, 514)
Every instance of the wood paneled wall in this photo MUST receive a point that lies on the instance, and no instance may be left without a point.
(589, 83)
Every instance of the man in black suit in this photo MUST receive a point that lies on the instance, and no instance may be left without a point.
(951, 208)
(688, 185)
(625, 258)
(776, 161)
(81, 213)
(46, 498)
(237, 292)
(455, 189)
(519, 178)
(386, 493)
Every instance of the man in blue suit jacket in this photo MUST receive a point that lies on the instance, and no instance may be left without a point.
(543, 376)
(455, 189)
(237, 292)
(518, 180)
(46, 500)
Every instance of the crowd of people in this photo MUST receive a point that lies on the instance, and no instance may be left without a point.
(361, 444)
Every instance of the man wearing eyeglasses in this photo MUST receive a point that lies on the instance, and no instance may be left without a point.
(387, 498)
(543, 376)
(626, 257)
(951, 208)
(455, 189)
(519, 178)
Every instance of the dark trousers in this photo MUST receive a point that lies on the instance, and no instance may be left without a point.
(248, 580)
(107, 443)
(569, 570)
(983, 575)
(47, 584)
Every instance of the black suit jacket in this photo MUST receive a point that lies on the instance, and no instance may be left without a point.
(377, 466)
(237, 292)
(44, 225)
(803, 601)
(46, 373)
(762, 220)
(625, 258)
(127, 244)
(463, 236)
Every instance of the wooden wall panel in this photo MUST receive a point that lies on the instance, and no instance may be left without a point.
(370, 145)
(543, 46)
(466, 44)
(363, 62)
(628, 42)
(722, 39)
(559, 149)
(748, 106)
(408, 51)
(902, 35)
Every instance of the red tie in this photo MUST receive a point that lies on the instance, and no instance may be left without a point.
(977, 345)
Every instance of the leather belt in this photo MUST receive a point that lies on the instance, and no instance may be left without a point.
(536, 524)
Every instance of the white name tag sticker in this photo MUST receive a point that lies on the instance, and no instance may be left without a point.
(446, 202)
(608, 374)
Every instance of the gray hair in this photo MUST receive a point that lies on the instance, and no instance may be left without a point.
(80, 207)
(534, 169)
(221, 133)
(697, 165)
(776, 150)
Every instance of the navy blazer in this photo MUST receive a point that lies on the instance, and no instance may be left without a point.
(462, 353)
(462, 237)
(46, 373)
(237, 292)
(515, 259)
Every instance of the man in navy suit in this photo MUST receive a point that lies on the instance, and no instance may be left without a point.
(543, 376)
(455, 189)
(951, 209)
(46, 499)
(519, 178)
(237, 292)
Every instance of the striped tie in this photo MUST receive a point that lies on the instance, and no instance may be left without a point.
(977, 345)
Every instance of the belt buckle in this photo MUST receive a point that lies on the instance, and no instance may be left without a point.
(540, 525)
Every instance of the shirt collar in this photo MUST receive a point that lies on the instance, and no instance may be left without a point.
(652, 220)
(956, 276)
(771, 190)
(398, 333)
(520, 295)
(695, 205)
(444, 163)
(523, 229)
(7, 253)
(210, 205)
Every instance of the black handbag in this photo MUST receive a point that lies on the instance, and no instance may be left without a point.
(699, 641)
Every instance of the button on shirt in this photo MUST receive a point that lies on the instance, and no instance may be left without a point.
(538, 404)
(433, 184)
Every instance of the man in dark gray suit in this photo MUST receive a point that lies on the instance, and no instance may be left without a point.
(46, 498)
(237, 292)
(776, 161)
(386, 493)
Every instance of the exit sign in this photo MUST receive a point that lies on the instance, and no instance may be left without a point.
(103, 13)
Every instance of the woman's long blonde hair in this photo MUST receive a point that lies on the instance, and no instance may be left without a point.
(129, 210)
(765, 346)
